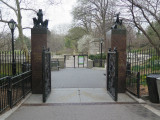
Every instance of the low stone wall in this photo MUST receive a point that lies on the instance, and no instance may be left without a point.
(61, 64)
(90, 63)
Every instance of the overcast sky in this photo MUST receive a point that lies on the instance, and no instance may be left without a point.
(58, 15)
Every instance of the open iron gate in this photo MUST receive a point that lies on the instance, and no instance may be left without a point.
(112, 74)
(46, 73)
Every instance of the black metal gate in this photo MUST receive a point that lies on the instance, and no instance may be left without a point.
(46, 69)
(112, 74)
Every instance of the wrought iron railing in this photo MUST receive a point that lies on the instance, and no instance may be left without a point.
(97, 63)
(4, 97)
(13, 89)
(22, 59)
(142, 62)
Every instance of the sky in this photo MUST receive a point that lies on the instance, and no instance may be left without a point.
(59, 16)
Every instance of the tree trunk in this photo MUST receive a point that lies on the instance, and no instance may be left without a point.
(21, 36)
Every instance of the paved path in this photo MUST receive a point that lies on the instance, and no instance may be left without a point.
(79, 95)
(93, 102)
(84, 112)
(78, 78)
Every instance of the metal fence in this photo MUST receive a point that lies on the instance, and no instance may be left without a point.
(13, 89)
(141, 63)
(22, 59)
(97, 63)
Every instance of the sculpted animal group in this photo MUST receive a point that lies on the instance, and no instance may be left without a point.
(117, 22)
(39, 22)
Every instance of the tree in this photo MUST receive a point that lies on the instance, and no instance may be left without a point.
(74, 34)
(95, 14)
(83, 43)
(27, 42)
(56, 42)
(152, 33)
(16, 7)
(5, 41)
(144, 13)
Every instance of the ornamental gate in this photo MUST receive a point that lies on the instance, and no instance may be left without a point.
(112, 74)
(46, 74)
(76, 61)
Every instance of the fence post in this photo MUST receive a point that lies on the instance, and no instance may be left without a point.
(78, 61)
(138, 84)
(74, 60)
(10, 92)
(83, 61)
(23, 89)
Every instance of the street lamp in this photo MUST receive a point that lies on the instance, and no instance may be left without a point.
(12, 26)
(101, 52)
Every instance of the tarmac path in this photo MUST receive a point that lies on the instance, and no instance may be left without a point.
(78, 78)
(85, 79)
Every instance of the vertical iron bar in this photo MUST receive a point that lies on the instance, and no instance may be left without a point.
(78, 61)
(144, 62)
(154, 68)
(101, 55)
(151, 61)
(83, 61)
(116, 70)
(159, 60)
(0, 62)
(5, 63)
(20, 62)
(74, 60)
(23, 87)
(28, 61)
(10, 92)
(15, 62)
(8, 62)
(156, 60)
(147, 61)
(87, 61)
(108, 71)
(138, 84)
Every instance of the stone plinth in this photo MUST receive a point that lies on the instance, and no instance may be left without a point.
(39, 38)
(117, 38)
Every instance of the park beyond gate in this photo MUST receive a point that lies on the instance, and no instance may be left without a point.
(76, 61)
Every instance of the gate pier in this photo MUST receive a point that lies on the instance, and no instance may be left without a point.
(117, 38)
(39, 37)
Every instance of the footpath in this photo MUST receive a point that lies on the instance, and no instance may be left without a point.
(82, 97)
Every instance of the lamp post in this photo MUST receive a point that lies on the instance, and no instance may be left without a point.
(12, 26)
(101, 52)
